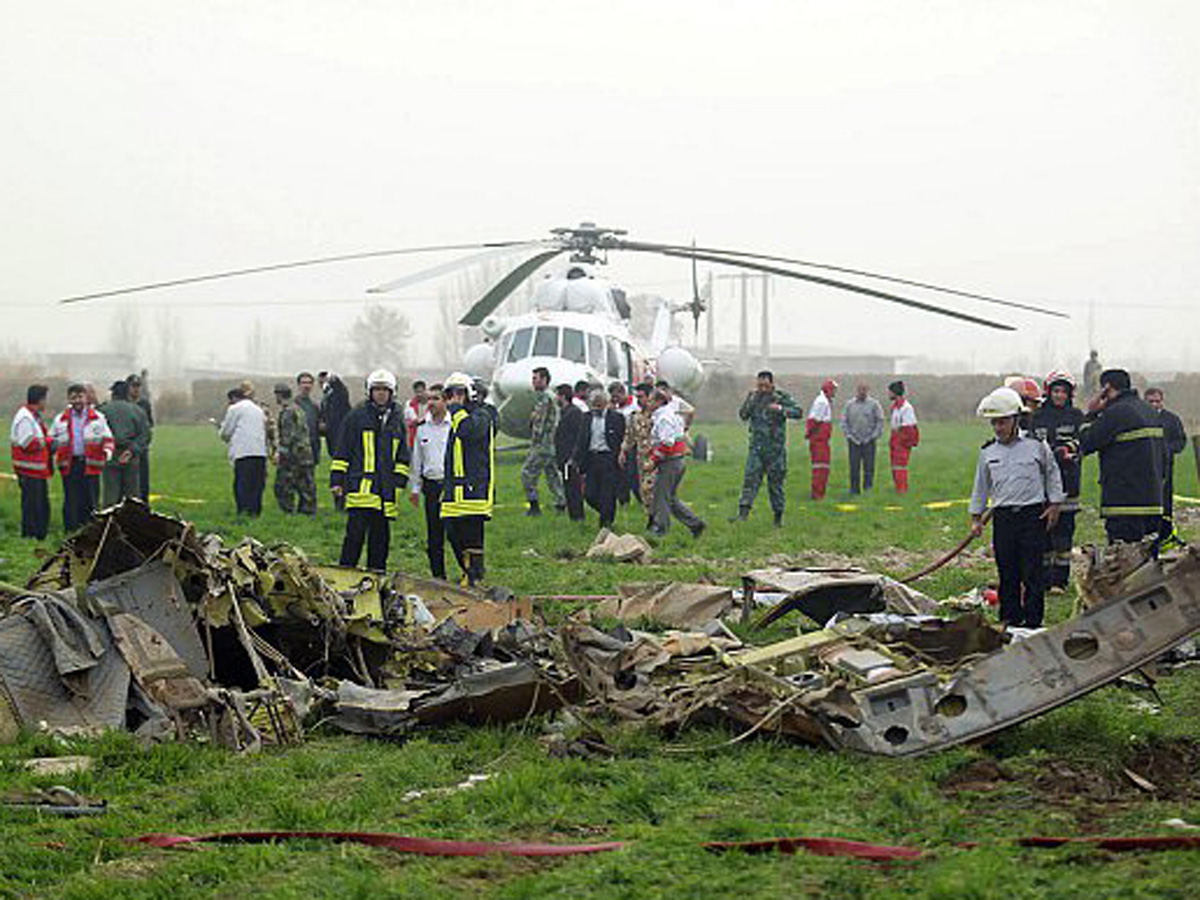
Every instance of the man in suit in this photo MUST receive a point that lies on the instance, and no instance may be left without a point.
(596, 452)
(566, 436)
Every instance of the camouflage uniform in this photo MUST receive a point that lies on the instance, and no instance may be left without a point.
(543, 422)
(636, 450)
(294, 474)
(768, 446)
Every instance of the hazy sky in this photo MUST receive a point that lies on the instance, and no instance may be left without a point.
(1042, 151)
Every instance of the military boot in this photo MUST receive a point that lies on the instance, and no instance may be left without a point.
(535, 508)
(779, 518)
(742, 515)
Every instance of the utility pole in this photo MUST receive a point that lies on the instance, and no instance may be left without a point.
(765, 333)
(710, 346)
(744, 333)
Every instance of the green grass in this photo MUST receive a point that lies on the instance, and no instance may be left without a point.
(662, 804)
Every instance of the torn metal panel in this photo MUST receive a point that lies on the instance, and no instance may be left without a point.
(674, 603)
(820, 593)
(933, 709)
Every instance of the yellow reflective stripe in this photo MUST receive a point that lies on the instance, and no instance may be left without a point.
(1138, 434)
(467, 508)
(339, 465)
(368, 438)
(359, 500)
(364, 486)
(402, 468)
(390, 509)
(1131, 510)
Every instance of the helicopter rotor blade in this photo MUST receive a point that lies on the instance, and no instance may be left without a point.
(685, 253)
(697, 305)
(295, 264)
(488, 303)
(895, 279)
(452, 266)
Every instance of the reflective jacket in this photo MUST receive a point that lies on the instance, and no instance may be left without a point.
(371, 461)
(1128, 437)
(470, 459)
(30, 445)
(1059, 426)
(98, 444)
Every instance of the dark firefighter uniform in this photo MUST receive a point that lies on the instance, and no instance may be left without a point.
(370, 465)
(469, 490)
(1128, 437)
(1059, 426)
(1174, 442)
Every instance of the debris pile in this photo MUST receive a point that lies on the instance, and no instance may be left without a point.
(140, 623)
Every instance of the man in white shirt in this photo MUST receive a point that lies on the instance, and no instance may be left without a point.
(244, 429)
(818, 429)
(626, 404)
(427, 473)
(667, 451)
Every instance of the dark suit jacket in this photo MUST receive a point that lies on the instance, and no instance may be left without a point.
(566, 435)
(614, 434)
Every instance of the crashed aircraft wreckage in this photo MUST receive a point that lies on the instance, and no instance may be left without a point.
(138, 622)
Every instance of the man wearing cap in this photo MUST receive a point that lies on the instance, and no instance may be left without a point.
(139, 397)
(818, 429)
(1058, 422)
(370, 470)
(244, 429)
(83, 444)
(904, 437)
(30, 442)
(131, 435)
(1127, 435)
(1018, 475)
(295, 486)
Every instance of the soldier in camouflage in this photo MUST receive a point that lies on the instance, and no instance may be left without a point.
(543, 421)
(295, 486)
(767, 409)
(638, 443)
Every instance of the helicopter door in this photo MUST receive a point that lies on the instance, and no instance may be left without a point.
(617, 361)
(628, 358)
(574, 349)
(520, 344)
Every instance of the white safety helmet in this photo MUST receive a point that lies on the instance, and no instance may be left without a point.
(459, 380)
(1001, 402)
(381, 378)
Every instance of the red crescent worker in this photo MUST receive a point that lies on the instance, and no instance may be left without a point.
(905, 435)
(818, 429)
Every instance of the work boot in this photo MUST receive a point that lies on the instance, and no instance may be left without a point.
(778, 518)
(535, 508)
(742, 514)
(698, 529)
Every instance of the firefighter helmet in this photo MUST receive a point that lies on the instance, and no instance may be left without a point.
(458, 380)
(1060, 376)
(382, 378)
(1027, 388)
(829, 385)
(1000, 403)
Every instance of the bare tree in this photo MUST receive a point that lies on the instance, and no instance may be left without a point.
(378, 338)
(168, 339)
(125, 331)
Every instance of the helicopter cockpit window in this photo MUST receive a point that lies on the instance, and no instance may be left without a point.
(573, 347)
(520, 344)
(614, 358)
(546, 342)
(595, 352)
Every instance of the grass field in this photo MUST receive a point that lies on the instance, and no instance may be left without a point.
(1061, 774)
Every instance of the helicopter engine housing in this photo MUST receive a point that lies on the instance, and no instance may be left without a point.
(682, 370)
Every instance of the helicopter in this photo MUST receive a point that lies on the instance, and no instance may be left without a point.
(579, 328)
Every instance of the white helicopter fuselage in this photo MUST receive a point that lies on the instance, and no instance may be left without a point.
(577, 332)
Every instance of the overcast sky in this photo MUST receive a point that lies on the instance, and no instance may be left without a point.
(1042, 151)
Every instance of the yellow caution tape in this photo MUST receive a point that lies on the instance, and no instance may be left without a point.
(846, 507)
(190, 501)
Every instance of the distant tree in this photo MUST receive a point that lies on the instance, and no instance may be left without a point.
(125, 331)
(168, 341)
(378, 338)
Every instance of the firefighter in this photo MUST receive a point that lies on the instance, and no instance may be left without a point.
(370, 470)
(1174, 443)
(904, 435)
(1127, 434)
(1058, 422)
(470, 460)
(1030, 393)
(818, 429)
(1018, 474)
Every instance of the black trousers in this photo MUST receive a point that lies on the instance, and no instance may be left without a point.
(466, 538)
(1057, 558)
(81, 493)
(35, 507)
(1132, 529)
(435, 527)
(372, 526)
(249, 482)
(1019, 540)
(600, 479)
(862, 466)
(144, 476)
(573, 486)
